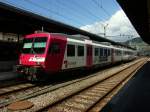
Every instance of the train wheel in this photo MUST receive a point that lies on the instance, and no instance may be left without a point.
(29, 78)
(34, 78)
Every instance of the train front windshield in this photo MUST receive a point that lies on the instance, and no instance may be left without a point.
(35, 45)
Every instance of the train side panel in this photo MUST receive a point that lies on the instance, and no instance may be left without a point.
(117, 55)
(55, 54)
(74, 56)
(101, 55)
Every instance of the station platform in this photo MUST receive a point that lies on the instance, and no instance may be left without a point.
(8, 76)
(134, 96)
(6, 66)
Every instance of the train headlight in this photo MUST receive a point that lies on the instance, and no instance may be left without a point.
(20, 62)
(38, 63)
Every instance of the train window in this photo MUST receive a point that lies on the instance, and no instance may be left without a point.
(70, 50)
(118, 52)
(105, 52)
(54, 48)
(108, 52)
(115, 51)
(80, 51)
(96, 51)
(27, 45)
(101, 51)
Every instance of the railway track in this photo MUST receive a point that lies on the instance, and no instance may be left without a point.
(10, 83)
(57, 94)
(15, 88)
(100, 104)
(11, 94)
(87, 99)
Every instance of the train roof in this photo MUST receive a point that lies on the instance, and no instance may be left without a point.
(76, 36)
(81, 38)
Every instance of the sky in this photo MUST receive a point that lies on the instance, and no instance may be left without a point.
(88, 15)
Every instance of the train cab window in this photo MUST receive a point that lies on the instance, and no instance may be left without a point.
(70, 50)
(80, 50)
(101, 51)
(54, 48)
(35, 45)
(96, 51)
(39, 45)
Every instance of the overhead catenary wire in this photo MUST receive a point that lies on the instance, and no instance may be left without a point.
(73, 11)
(69, 18)
(72, 18)
(100, 5)
(86, 10)
(54, 12)
(38, 13)
(86, 15)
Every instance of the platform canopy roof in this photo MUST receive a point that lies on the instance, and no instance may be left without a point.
(138, 11)
(16, 20)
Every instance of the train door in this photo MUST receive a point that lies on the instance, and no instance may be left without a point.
(80, 58)
(71, 61)
(89, 57)
(112, 55)
(55, 54)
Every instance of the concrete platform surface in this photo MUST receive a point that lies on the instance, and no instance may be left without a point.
(7, 65)
(8, 76)
(134, 96)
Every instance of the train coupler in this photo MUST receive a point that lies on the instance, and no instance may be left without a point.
(18, 68)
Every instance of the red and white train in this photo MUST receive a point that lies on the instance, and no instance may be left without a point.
(55, 52)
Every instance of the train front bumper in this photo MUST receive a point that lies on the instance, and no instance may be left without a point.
(34, 70)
